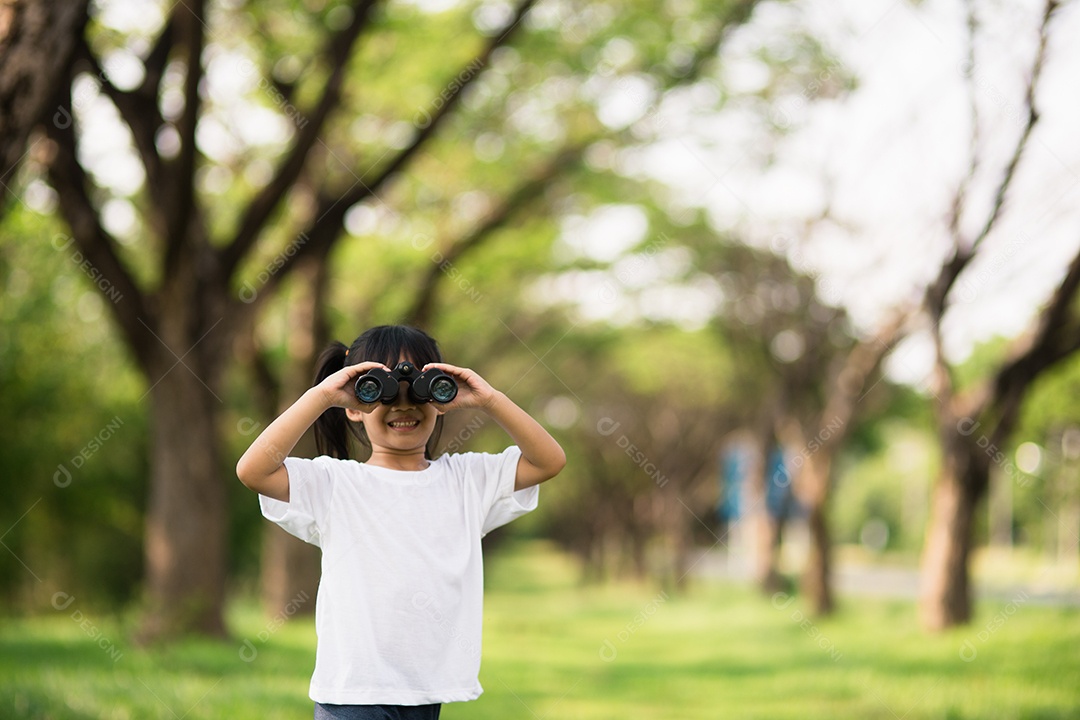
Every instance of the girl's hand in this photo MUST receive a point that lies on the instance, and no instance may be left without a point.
(541, 456)
(339, 389)
(473, 390)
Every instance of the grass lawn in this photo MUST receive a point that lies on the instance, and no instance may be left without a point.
(553, 649)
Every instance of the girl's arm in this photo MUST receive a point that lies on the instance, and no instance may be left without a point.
(541, 456)
(262, 467)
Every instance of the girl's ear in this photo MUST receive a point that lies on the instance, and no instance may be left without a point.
(354, 415)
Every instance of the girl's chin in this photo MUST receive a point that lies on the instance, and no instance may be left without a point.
(402, 442)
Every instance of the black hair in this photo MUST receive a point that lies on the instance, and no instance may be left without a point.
(385, 344)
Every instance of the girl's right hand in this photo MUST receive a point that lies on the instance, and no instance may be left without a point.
(339, 389)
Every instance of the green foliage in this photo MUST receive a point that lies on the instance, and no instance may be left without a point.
(75, 453)
(675, 366)
(1050, 407)
(983, 362)
(1049, 423)
(891, 484)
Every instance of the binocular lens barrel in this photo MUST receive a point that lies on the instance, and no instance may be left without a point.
(443, 389)
(368, 390)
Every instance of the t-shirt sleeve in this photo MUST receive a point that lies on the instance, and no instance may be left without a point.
(494, 477)
(310, 491)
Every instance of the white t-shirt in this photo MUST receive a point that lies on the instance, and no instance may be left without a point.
(399, 608)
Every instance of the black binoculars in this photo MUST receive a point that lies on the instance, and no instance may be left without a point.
(378, 384)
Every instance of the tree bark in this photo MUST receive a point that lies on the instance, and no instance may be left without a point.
(290, 567)
(945, 593)
(767, 555)
(186, 516)
(817, 574)
(37, 38)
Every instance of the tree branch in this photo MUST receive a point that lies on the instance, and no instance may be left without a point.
(1032, 117)
(330, 211)
(140, 112)
(521, 197)
(336, 56)
(849, 386)
(470, 72)
(1053, 339)
(960, 198)
(937, 293)
(99, 260)
(180, 210)
(37, 40)
(155, 62)
(738, 13)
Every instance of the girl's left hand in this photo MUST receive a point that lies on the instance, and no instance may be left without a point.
(473, 390)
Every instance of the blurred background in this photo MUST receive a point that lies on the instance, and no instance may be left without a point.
(793, 283)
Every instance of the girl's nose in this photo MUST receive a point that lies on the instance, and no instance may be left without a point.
(403, 399)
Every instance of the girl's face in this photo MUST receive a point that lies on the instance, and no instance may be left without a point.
(401, 428)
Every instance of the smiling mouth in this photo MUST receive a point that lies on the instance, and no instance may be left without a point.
(404, 424)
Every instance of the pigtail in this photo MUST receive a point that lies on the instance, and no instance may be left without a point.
(332, 427)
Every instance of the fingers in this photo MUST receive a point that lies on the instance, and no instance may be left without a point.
(474, 391)
(464, 374)
(467, 380)
(445, 367)
(363, 367)
(338, 386)
(353, 373)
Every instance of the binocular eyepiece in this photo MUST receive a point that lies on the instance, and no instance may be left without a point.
(431, 385)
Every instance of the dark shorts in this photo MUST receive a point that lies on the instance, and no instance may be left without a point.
(377, 712)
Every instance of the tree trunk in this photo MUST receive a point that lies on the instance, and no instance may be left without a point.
(37, 38)
(767, 553)
(817, 577)
(765, 530)
(945, 597)
(290, 575)
(290, 566)
(186, 517)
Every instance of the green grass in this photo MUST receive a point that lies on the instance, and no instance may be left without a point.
(554, 649)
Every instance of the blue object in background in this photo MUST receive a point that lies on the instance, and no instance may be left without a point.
(778, 495)
(780, 500)
(733, 464)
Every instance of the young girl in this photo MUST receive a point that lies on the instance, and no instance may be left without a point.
(398, 613)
